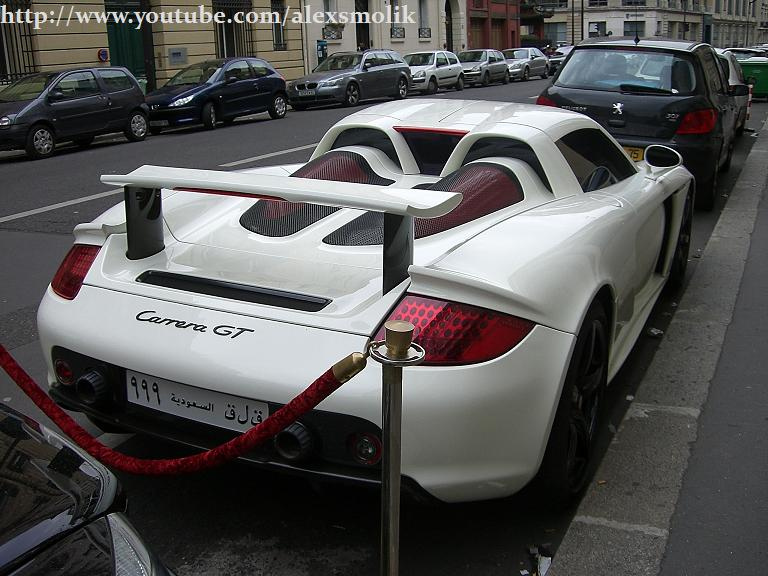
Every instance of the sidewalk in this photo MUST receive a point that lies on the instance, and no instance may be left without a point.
(683, 488)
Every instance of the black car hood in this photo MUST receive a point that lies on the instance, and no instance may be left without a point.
(167, 94)
(48, 488)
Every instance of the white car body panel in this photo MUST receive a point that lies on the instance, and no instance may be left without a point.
(470, 432)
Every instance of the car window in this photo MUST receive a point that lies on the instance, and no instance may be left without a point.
(452, 58)
(536, 52)
(259, 68)
(606, 69)
(115, 80)
(238, 69)
(442, 60)
(385, 59)
(78, 85)
(340, 62)
(396, 57)
(517, 54)
(713, 72)
(195, 74)
(595, 160)
(472, 56)
(27, 88)
(371, 61)
(420, 59)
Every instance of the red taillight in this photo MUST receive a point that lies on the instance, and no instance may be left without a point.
(71, 273)
(544, 101)
(698, 122)
(453, 333)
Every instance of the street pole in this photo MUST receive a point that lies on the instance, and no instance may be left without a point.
(685, 6)
(573, 22)
(582, 19)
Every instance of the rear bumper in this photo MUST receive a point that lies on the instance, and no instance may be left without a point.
(469, 432)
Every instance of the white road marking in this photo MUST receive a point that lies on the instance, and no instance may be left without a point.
(626, 527)
(51, 207)
(270, 155)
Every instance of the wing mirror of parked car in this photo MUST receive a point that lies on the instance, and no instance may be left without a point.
(367, 65)
(658, 156)
(739, 90)
(55, 96)
(230, 79)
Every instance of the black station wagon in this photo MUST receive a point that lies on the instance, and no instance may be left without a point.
(655, 92)
(41, 110)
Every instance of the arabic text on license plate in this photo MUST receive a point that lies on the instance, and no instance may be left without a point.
(635, 153)
(158, 122)
(306, 92)
(207, 406)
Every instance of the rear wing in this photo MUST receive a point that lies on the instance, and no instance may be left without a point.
(144, 218)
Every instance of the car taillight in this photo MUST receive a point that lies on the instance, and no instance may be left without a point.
(453, 333)
(698, 122)
(544, 101)
(71, 273)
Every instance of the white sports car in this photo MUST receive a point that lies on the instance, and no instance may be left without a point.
(521, 241)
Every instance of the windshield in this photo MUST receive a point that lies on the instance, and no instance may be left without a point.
(339, 62)
(420, 59)
(472, 56)
(627, 70)
(515, 54)
(27, 88)
(196, 74)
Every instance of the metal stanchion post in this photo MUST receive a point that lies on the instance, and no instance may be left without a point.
(396, 351)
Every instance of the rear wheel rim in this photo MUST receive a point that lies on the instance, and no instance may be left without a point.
(280, 106)
(138, 125)
(352, 95)
(43, 141)
(402, 88)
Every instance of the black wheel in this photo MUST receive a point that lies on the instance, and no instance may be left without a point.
(727, 164)
(566, 467)
(526, 74)
(505, 80)
(208, 116)
(352, 95)
(706, 192)
(299, 107)
(155, 130)
(432, 86)
(459, 83)
(546, 73)
(278, 107)
(84, 142)
(402, 88)
(136, 129)
(680, 257)
(41, 142)
(486, 79)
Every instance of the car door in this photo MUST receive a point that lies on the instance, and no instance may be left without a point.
(454, 65)
(370, 86)
(265, 84)
(498, 64)
(123, 95)
(77, 105)
(445, 76)
(388, 73)
(538, 62)
(718, 92)
(239, 93)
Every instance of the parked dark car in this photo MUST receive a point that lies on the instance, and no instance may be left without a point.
(655, 92)
(349, 77)
(42, 110)
(483, 67)
(217, 90)
(62, 511)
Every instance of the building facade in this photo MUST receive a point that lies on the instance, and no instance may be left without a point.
(493, 24)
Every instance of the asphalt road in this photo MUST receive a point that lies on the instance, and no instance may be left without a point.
(235, 520)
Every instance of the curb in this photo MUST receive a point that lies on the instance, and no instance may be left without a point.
(621, 526)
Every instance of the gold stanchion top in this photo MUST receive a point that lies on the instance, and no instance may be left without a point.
(399, 335)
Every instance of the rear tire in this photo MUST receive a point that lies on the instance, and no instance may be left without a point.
(432, 86)
(706, 192)
(136, 129)
(505, 80)
(546, 73)
(402, 88)
(568, 461)
(208, 116)
(680, 257)
(278, 107)
(486, 79)
(459, 83)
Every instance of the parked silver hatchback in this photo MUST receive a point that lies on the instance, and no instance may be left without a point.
(435, 69)
(484, 67)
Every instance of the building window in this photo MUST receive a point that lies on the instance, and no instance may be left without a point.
(233, 39)
(278, 26)
(423, 14)
(633, 2)
(16, 53)
(598, 3)
(718, 7)
(556, 31)
(597, 29)
(634, 28)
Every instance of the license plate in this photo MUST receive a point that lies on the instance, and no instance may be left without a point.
(207, 406)
(306, 92)
(158, 122)
(635, 153)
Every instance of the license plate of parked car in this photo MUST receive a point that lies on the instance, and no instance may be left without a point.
(635, 153)
(207, 406)
(306, 92)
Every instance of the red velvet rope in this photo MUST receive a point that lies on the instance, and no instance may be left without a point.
(300, 405)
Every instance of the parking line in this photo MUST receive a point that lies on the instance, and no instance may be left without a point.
(59, 205)
(270, 155)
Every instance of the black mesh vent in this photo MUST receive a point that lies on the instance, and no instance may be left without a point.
(486, 187)
(274, 218)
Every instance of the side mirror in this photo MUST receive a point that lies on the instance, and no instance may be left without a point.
(739, 90)
(55, 95)
(658, 156)
(367, 65)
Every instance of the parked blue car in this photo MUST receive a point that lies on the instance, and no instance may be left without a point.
(217, 90)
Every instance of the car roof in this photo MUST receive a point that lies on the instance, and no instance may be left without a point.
(664, 43)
